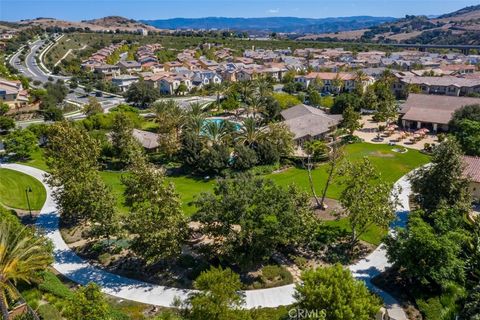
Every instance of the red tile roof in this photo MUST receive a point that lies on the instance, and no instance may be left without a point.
(472, 168)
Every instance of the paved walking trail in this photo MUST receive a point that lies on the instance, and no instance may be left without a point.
(80, 271)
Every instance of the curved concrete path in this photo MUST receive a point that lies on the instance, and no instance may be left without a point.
(78, 270)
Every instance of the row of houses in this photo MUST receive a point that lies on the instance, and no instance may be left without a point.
(450, 85)
(13, 93)
(99, 57)
(188, 70)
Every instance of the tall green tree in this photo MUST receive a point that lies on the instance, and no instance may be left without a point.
(253, 217)
(21, 143)
(370, 100)
(6, 123)
(72, 156)
(103, 216)
(467, 133)
(171, 118)
(4, 108)
(351, 120)
(427, 256)
(125, 147)
(333, 291)
(92, 107)
(386, 103)
(470, 112)
(442, 184)
(335, 158)
(367, 199)
(141, 94)
(157, 223)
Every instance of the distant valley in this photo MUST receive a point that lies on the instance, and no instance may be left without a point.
(272, 24)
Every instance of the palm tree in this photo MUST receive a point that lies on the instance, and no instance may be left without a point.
(246, 89)
(169, 115)
(387, 76)
(249, 133)
(264, 87)
(360, 78)
(256, 104)
(195, 124)
(317, 84)
(337, 83)
(195, 109)
(22, 256)
(218, 89)
(216, 132)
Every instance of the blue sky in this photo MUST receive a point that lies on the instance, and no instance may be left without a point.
(76, 10)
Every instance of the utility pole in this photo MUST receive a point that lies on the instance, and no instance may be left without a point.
(27, 191)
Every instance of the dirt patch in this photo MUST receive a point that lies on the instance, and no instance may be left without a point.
(331, 212)
(382, 154)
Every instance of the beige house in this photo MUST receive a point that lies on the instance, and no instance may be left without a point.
(309, 123)
(348, 81)
(13, 94)
(446, 85)
(431, 111)
(472, 171)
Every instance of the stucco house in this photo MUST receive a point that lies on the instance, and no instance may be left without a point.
(472, 171)
(430, 111)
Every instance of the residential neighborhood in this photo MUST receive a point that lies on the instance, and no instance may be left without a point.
(247, 165)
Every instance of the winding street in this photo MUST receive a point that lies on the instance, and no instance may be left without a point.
(78, 270)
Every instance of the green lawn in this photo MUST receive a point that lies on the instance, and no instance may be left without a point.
(373, 235)
(12, 190)
(391, 165)
(187, 188)
(37, 160)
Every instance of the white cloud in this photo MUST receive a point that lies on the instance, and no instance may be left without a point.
(273, 11)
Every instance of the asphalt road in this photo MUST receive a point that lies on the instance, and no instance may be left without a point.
(32, 70)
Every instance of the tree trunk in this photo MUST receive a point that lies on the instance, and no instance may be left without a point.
(310, 179)
(329, 179)
(354, 239)
(3, 305)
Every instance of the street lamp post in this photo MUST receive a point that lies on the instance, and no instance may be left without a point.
(27, 191)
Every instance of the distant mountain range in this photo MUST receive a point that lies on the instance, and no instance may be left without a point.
(271, 24)
(459, 27)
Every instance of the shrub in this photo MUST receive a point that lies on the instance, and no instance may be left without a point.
(32, 297)
(301, 262)
(104, 258)
(263, 170)
(275, 276)
(54, 286)
(49, 312)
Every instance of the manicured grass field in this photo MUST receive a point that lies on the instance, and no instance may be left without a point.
(187, 188)
(373, 235)
(12, 190)
(391, 165)
(37, 160)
